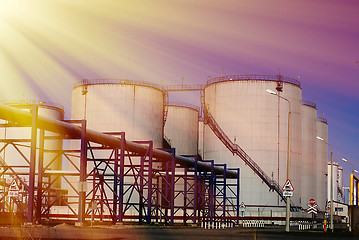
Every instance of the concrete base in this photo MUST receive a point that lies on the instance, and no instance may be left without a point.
(79, 224)
(28, 224)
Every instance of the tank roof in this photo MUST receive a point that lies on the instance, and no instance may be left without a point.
(254, 77)
(86, 82)
(322, 119)
(32, 102)
(186, 105)
(309, 103)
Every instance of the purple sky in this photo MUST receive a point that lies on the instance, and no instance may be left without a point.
(46, 46)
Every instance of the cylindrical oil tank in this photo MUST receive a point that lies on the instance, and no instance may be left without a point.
(322, 159)
(134, 107)
(181, 128)
(181, 133)
(335, 180)
(310, 164)
(51, 159)
(248, 115)
(113, 106)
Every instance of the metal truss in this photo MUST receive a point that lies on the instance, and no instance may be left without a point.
(107, 184)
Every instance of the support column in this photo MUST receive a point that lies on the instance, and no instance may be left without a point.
(31, 202)
(185, 182)
(224, 192)
(122, 173)
(211, 193)
(172, 188)
(39, 179)
(83, 173)
(195, 195)
(238, 189)
(141, 177)
(115, 187)
(149, 183)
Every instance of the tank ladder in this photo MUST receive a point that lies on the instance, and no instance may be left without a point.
(235, 149)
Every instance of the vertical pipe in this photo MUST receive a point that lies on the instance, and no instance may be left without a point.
(39, 179)
(83, 170)
(287, 216)
(30, 213)
(278, 142)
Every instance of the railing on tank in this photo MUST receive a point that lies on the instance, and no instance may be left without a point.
(235, 149)
(169, 88)
(254, 77)
(309, 103)
(31, 102)
(322, 119)
(84, 82)
(187, 105)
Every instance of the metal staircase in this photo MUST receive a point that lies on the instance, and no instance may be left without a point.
(340, 194)
(235, 149)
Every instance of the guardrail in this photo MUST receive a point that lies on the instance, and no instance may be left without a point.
(254, 77)
(196, 87)
(322, 119)
(31, 102)
(235, 149)
(86, 82)
(309, 103)
(187, 105)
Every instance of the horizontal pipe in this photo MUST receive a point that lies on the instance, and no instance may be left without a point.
(24, 118)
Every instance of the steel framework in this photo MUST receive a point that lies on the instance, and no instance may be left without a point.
(110, 179)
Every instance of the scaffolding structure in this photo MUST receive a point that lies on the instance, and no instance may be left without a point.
(110, 179)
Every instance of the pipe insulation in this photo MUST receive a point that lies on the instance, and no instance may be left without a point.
(24, 119)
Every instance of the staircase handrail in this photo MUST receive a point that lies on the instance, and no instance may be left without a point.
(235, 149)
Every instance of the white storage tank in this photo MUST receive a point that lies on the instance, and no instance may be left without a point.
(322, 159)
(248, 115)
(181, 128)
(111, 105)
(52, 160)
(134, 107)
(181, 132)
(335, 181)
(310, 164)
